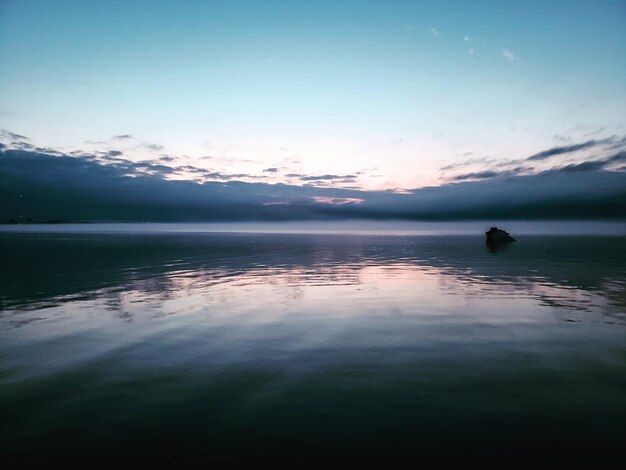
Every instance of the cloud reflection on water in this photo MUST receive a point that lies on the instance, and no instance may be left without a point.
(237, 347)
(127, 272)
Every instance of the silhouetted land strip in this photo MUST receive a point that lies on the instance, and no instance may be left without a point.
(29, 221)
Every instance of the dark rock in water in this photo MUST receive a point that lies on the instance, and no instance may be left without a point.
(495, 235)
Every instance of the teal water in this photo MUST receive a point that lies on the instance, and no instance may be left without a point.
(240, 347)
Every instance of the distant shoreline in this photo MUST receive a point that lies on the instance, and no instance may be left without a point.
(34, 222)
(348, 227)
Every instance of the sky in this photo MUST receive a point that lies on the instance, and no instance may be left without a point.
(367, 97)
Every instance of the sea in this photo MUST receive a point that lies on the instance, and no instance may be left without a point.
(197, 344)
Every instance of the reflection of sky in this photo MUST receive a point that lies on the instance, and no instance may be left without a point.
(389, 89)
(306, 317)
(265, 294)
(309, 338)
(250, 279)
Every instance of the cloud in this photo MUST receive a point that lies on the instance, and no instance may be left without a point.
(562, 138)
(435, 32)
(584, 166)
(98, 187)
(337, 200)
(155, 168)
(469, 162)
(570, 148)
(480, 175)
(229, 159)
(4, 134)
(326, 177)
(495, 170)
(595, 131)
(154, 147)
(122, 137)
(509, 55)
(594, 165)
(216, 175)
(489, 174)
(22, 145)
(270, 170)
(608, 155)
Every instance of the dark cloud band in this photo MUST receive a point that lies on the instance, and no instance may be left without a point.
(95, 187)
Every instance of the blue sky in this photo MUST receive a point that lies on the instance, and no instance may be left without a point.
(389, 92)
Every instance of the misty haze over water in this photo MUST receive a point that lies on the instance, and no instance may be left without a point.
(351, 227)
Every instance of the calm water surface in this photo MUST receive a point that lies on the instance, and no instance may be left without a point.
(233, 347)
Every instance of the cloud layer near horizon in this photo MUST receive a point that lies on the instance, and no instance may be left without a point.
(603, 154)
(43, 185)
